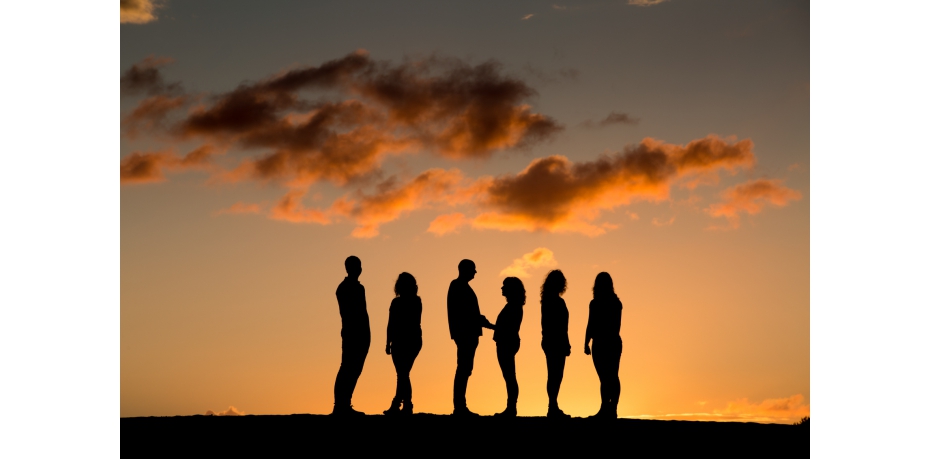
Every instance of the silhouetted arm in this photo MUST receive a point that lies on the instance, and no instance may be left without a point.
(485, 323)
(587, 330)
(392, 325)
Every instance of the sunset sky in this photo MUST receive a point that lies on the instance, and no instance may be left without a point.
(665, 142)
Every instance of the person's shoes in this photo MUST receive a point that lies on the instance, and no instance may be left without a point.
(601, 413)
(557, 414)
(345, 411)
(509, 412)
(394, 409)
(464, 412)
(408, 408)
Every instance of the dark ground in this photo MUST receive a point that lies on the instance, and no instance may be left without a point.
(442, 436)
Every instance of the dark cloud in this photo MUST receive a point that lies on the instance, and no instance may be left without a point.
(555, 194)
(613, 118)
(444, 105)
(145, 78)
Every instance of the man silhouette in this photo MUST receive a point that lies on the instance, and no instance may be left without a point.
(356, 336)
(465, 323)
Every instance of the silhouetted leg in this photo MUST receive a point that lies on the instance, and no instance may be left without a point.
(555, 364)
(465, 362)
(402, 374)
(506, 358)
(354, 353)
(603, 375)
(607, 364)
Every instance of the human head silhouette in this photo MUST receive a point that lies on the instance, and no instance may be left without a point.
(513, 290)
(467, 270)
(554, 285)
(353, 266)
(603, 285)
(406, 285)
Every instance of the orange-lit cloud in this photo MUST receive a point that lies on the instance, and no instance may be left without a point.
(136, 11)
(241, 208)
(390, 201)
(632, 215)
(147, 167)
(393, 200)
(557, 195)
(613, 118)
(645, 2)
(524, 18)
(750, 198)
(540, 257)
(662, 223)
(150, 114)
(447, 223)
(231, 411)
(442, 105)
(779, 410)
(291, 209)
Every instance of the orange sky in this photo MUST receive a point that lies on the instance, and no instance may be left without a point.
(243, 191)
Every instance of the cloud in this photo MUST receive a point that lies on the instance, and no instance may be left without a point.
(750, 198)
(231, 411)
(540, 257)
(240, 208)
(443, 105)
(447, 223)
(148, 167)
(291, 209)
(524, 18)
(137, 11)
(660, 223)
(645, 2)
(613, 118)
(554, 194)
(393, 200)
(150, 114)
(390, 201)
(145, 77)
(778, 410)
(632, 215)
(551, 194)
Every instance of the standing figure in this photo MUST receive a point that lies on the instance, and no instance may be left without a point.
(507, 336)
(404, 339)
(554, 337)
(356, 336)
(604, 329)
(465, 323)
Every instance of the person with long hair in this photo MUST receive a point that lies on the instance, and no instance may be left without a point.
(604, 330)
(404, 339)
(554, 337)
(507, 337)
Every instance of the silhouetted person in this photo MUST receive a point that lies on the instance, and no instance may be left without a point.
(554, 337)
(356, 336)
(604, 329)
(404, 339)
(507, 336)
(465, 323)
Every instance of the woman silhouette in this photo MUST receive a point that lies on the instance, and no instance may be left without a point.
(554, 337)
(404, 339)
(604, 329)
(507, 336)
